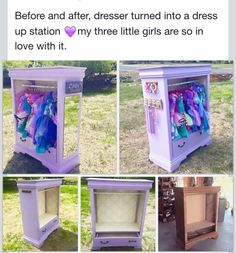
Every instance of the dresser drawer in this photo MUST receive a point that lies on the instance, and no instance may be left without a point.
(117, 242)
(48, 227)
(187, 145)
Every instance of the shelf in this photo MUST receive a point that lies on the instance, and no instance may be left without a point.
(117, 227)
(118, 234)
(45, 218)
(119, 193)
(199, 225)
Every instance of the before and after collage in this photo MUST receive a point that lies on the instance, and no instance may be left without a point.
(118, 156)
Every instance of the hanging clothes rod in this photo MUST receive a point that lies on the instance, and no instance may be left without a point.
(47, 189)
(39, 86)
(183, 83)
(119, 193)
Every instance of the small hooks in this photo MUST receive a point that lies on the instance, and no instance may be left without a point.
(157, 103)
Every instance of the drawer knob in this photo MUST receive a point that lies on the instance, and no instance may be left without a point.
(180, 146)
(104, 242)
(44, 230)
(132, 241)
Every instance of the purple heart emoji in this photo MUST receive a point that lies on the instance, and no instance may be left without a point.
(70, 30)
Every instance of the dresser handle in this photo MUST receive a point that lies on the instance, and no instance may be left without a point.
(180, 146)
(106, 242)
(26, 191)
(132, 241)
(200, 132)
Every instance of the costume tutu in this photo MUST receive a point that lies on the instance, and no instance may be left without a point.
(188, 111)
(36, 118)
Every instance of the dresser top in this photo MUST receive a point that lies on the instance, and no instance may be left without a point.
(41, 183)
(47, 72)
(195, 190)
(175, 71)
(126, 184)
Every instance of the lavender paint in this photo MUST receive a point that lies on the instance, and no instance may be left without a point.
(164, 151)
(68, 82)
(40, 204)
(118, 210)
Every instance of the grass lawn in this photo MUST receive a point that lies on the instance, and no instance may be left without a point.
(86, 233)
(63, 239)
(97, 135)
(134, 147)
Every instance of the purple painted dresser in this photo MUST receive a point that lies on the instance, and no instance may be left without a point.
(40, 201)
(118, 209)
(42, 102)
(176, 100)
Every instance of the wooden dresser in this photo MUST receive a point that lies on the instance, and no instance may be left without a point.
(196, 214)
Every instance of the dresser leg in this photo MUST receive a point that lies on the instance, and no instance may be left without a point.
(95, 248)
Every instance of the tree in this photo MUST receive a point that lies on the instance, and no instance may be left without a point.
(94, 68)
(12, 64)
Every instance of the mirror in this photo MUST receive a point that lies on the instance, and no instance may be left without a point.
(71, 124)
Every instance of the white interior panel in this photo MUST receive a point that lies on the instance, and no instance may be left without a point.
(196, 208)
(48, 205)
(118, 210)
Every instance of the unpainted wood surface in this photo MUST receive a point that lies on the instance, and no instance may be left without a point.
(199, 225)
(179, 216)
(211, 207)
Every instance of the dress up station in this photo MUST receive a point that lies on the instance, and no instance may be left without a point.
(118, 211)
(176, 100)
(40, 99)
(40, 201)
